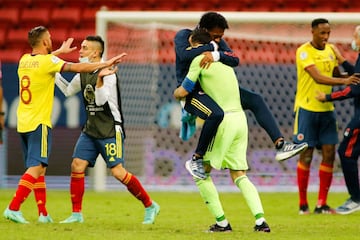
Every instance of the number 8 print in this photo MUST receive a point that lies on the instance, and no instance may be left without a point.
(25, 93)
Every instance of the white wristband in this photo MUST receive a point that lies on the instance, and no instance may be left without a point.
(216, 56)
(216, 47)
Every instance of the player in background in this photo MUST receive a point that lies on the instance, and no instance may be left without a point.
(230, 144)
(199, 104)
(103, 132)
(2, 113)
(36, 72)
(315, 122)
(349, 148)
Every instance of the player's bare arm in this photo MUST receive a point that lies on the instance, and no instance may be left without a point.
(180, 93)
(90, 67)
(321, 79)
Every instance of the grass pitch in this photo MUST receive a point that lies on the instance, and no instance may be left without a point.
(118, 215)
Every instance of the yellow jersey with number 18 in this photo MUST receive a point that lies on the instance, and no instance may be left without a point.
(36, 90)
(307, 88)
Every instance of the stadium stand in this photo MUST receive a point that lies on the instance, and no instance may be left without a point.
(2, 37)
(80, 14)
(48, 4)
(30, 17)
(58, 36)
(10, 55)
(65, 17)
(18, 4)
(88, 18)
(17, 39)
(9, 17)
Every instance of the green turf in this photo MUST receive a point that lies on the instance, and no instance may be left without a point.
(118, 215)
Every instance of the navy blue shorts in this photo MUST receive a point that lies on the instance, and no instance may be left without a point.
(315, 128)
(200, 104)
(111, 149)
(36, 146)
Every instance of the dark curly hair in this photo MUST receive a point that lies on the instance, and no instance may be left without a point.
(211, 20)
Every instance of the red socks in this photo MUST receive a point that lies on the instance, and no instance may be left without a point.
(325, 175)
(40, 195)
(135, 188)
(77, 188)
(25, 186)
(303, 173)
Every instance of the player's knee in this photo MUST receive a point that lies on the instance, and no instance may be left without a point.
(79, 165)
(119, 172)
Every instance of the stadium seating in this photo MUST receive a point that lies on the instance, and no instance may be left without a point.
(2, 37)
(109, 4)
(32, 17)
(52, 4)
(168, 5)
(17, 39)
(65, 17)
(88, 18)
(18, 4)
(9, 17)
(10, 55)
(61, 16)
(58, 35)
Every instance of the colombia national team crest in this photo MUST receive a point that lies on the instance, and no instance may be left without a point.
(300, 137)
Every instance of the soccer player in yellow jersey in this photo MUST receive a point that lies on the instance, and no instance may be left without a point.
(36, 73)
(315, 122)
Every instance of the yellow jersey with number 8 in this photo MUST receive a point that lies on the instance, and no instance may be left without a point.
(36, 90)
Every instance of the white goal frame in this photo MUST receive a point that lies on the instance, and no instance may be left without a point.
(103, 17)
(172, 17)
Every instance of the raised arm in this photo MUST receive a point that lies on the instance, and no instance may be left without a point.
(90, 67)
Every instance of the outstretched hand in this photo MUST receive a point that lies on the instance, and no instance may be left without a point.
(116, 59)
(107, 71)
(66, 46)
(353, 79)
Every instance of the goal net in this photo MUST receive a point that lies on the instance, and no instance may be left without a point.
(266, 44)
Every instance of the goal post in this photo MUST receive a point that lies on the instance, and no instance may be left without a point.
(265, 42)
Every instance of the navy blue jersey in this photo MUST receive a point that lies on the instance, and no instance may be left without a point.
(184, 54)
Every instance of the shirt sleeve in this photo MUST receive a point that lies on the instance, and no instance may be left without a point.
(55, 64)
(102, 94)
(348, 92)
(68, 88)
(183, 52)
(227, 56)
(195, 69)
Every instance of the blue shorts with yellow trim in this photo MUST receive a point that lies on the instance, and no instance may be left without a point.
(111, 149)
(36, 146)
